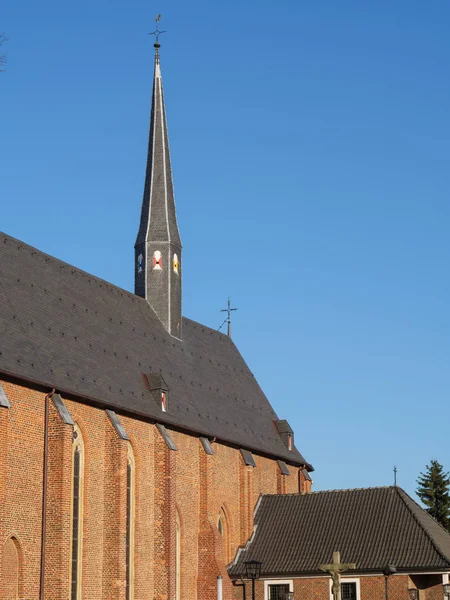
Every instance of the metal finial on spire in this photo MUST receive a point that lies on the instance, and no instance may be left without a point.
(228, 310)
(157, 31)
(395, 476)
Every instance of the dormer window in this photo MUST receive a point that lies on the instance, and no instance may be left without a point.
(155, 384)
(286, 434)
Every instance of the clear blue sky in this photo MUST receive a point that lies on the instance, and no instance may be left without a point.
(310, 144)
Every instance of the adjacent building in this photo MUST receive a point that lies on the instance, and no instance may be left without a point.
(382, 530)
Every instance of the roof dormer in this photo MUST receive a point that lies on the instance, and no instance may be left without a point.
(286, 433)
(155, 383)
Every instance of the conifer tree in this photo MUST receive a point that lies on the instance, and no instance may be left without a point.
(434, 492)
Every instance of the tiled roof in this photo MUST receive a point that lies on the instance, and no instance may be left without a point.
(61, 327)
(371, 527)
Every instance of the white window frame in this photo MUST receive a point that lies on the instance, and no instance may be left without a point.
(348, 580)
(268, 582)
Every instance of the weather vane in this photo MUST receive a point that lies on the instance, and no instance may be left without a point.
(157, 32)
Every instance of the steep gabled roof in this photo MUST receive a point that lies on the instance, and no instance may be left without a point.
(371, 527)
(61, 327)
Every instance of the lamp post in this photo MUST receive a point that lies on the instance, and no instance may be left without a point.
(387, 572)
(446, 587)
(253, 571)
(413, 594)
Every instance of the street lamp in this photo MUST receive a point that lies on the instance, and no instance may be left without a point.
(413, 594)
(253, 572)
(446, 587)
(387, 572)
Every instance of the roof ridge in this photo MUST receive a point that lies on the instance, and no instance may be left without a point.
(317, 492)
(400, 492)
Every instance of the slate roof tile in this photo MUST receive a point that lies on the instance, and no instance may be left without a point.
(62, 327)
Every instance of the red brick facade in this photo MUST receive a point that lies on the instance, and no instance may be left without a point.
(370, 588)
(189, 482)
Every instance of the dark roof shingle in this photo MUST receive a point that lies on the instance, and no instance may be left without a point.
(371, 527)
(61, 327)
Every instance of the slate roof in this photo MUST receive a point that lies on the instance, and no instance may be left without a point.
(61, 327)
(158, 216)
(371, 527)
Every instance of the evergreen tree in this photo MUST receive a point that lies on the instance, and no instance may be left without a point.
(434, 492)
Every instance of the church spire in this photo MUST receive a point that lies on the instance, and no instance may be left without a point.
(158, 244)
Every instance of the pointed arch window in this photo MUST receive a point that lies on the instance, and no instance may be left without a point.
(178, 557)
(11, 571)
(131, 513)
(222, 526)
(77, 513)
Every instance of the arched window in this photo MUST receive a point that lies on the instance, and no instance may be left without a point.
(11, 569)
(77, 513)
(178, 557)
(131, 511)
(222, 526)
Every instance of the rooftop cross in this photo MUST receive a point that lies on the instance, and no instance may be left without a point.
(335, 569)
(228, 310)
(157, 33)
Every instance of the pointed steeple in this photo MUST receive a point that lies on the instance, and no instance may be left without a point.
(158, 245)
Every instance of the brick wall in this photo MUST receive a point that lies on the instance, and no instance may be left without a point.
(371, 588)
(21, 443)
(196, 486)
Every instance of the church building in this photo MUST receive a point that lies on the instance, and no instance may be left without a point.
(134, 442)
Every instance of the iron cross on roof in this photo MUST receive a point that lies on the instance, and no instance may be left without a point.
(228, 310)
(157, 31)
(335, 569)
